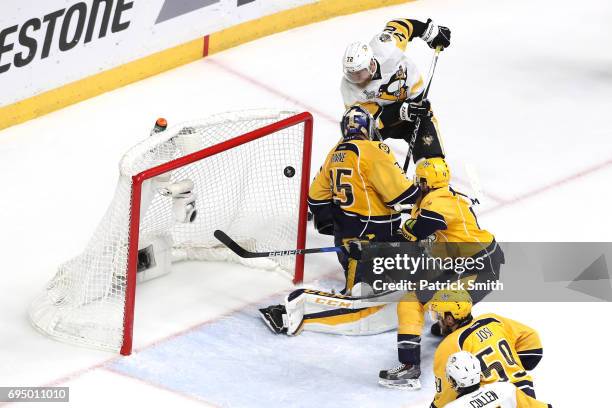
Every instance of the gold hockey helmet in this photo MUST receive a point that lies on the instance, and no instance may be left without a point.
(456, 302)
(433, 172)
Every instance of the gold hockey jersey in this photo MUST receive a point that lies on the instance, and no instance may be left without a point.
(448, 214)
(502, 345)
(363, 178)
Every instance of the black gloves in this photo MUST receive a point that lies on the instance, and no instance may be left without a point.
(436, 36)
(410, 110)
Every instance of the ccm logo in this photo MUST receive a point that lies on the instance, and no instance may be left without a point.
(333, 302)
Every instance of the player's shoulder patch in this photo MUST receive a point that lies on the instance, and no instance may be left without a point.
(384, 148)
(385, 37)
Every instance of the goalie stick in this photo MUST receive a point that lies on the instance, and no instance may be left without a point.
(417, 123)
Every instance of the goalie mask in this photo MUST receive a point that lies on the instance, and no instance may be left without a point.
(357, 123)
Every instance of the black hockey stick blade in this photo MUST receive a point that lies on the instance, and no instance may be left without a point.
(234, 246)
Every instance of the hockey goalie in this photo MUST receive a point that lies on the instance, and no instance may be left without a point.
(355, 197)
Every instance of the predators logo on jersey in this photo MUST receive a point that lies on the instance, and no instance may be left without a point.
(505, 348)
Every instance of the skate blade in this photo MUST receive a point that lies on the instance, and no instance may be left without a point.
(411, 385)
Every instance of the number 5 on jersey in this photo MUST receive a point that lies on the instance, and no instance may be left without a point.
(342, 189)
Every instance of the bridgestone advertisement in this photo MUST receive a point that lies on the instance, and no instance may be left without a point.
(44, 45)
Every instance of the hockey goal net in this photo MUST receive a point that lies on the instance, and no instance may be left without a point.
(244, 173)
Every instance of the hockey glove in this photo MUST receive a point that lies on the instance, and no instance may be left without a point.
(409, 111)
(360, 249)
(436, 36)
(406, 230)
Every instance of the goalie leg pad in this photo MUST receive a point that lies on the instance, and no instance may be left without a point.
(337, 314)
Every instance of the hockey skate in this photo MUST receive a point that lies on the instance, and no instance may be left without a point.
(273, 318)
(403, 376)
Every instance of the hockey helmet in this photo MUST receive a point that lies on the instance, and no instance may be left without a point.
(358, 62)
(456, 302)
(463, 370)
(358, 123)
(432, 172)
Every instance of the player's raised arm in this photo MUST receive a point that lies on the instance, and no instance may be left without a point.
(403, 30)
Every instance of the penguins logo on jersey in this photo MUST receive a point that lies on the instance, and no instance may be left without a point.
(428, 140)
(396, 88)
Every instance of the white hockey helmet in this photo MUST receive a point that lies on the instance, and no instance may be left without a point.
(463, 370)
(358, 62)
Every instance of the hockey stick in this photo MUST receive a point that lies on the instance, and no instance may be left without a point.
(243, 253)
(474, 183)
(417, 123)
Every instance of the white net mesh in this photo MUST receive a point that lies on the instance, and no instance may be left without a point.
(252, 192)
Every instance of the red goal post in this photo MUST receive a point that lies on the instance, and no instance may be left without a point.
(137, 180)
(246, 173)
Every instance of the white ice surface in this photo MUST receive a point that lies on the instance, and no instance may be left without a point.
(524, 94)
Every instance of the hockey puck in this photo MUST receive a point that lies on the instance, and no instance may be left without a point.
(289, 171)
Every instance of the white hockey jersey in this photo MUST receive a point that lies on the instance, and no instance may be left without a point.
(396, 79)
(496, 395)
